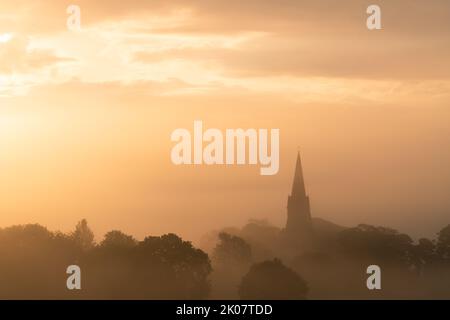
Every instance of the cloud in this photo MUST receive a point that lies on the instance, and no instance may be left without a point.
(286, 16)
(298, 38)
(377, 57)
(17, 57)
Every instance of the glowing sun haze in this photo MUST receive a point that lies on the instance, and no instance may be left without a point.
(86, 116)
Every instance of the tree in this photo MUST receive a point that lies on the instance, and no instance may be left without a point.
(380, 243)
(181, 269)
(83, 235)
(31, 261)
(118, 239)
(443, 243)
(426, 250)
(232, 249)
(424, 255)
(272, 280)
(163, 267)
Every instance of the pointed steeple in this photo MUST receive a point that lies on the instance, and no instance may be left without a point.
(299, 226)
(298, 187)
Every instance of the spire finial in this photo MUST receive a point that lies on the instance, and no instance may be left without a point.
(298, 187)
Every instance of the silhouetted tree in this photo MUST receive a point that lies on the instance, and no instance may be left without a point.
(33, 261)
(118, 239)
(376, 243)
(83, 235)
(232, 249)
(163, 267)
(424, 254)
(443, 243)
(272, 280)
(184, 268)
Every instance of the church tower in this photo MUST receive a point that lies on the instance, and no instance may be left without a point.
(299, 223)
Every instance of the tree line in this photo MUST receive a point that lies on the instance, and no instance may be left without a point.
(33, 262)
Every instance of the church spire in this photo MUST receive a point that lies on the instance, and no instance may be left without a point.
(299, 224)
(298, 187)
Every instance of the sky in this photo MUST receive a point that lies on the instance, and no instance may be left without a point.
(86, 115)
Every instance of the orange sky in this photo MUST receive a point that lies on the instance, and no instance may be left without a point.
(86, 117)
